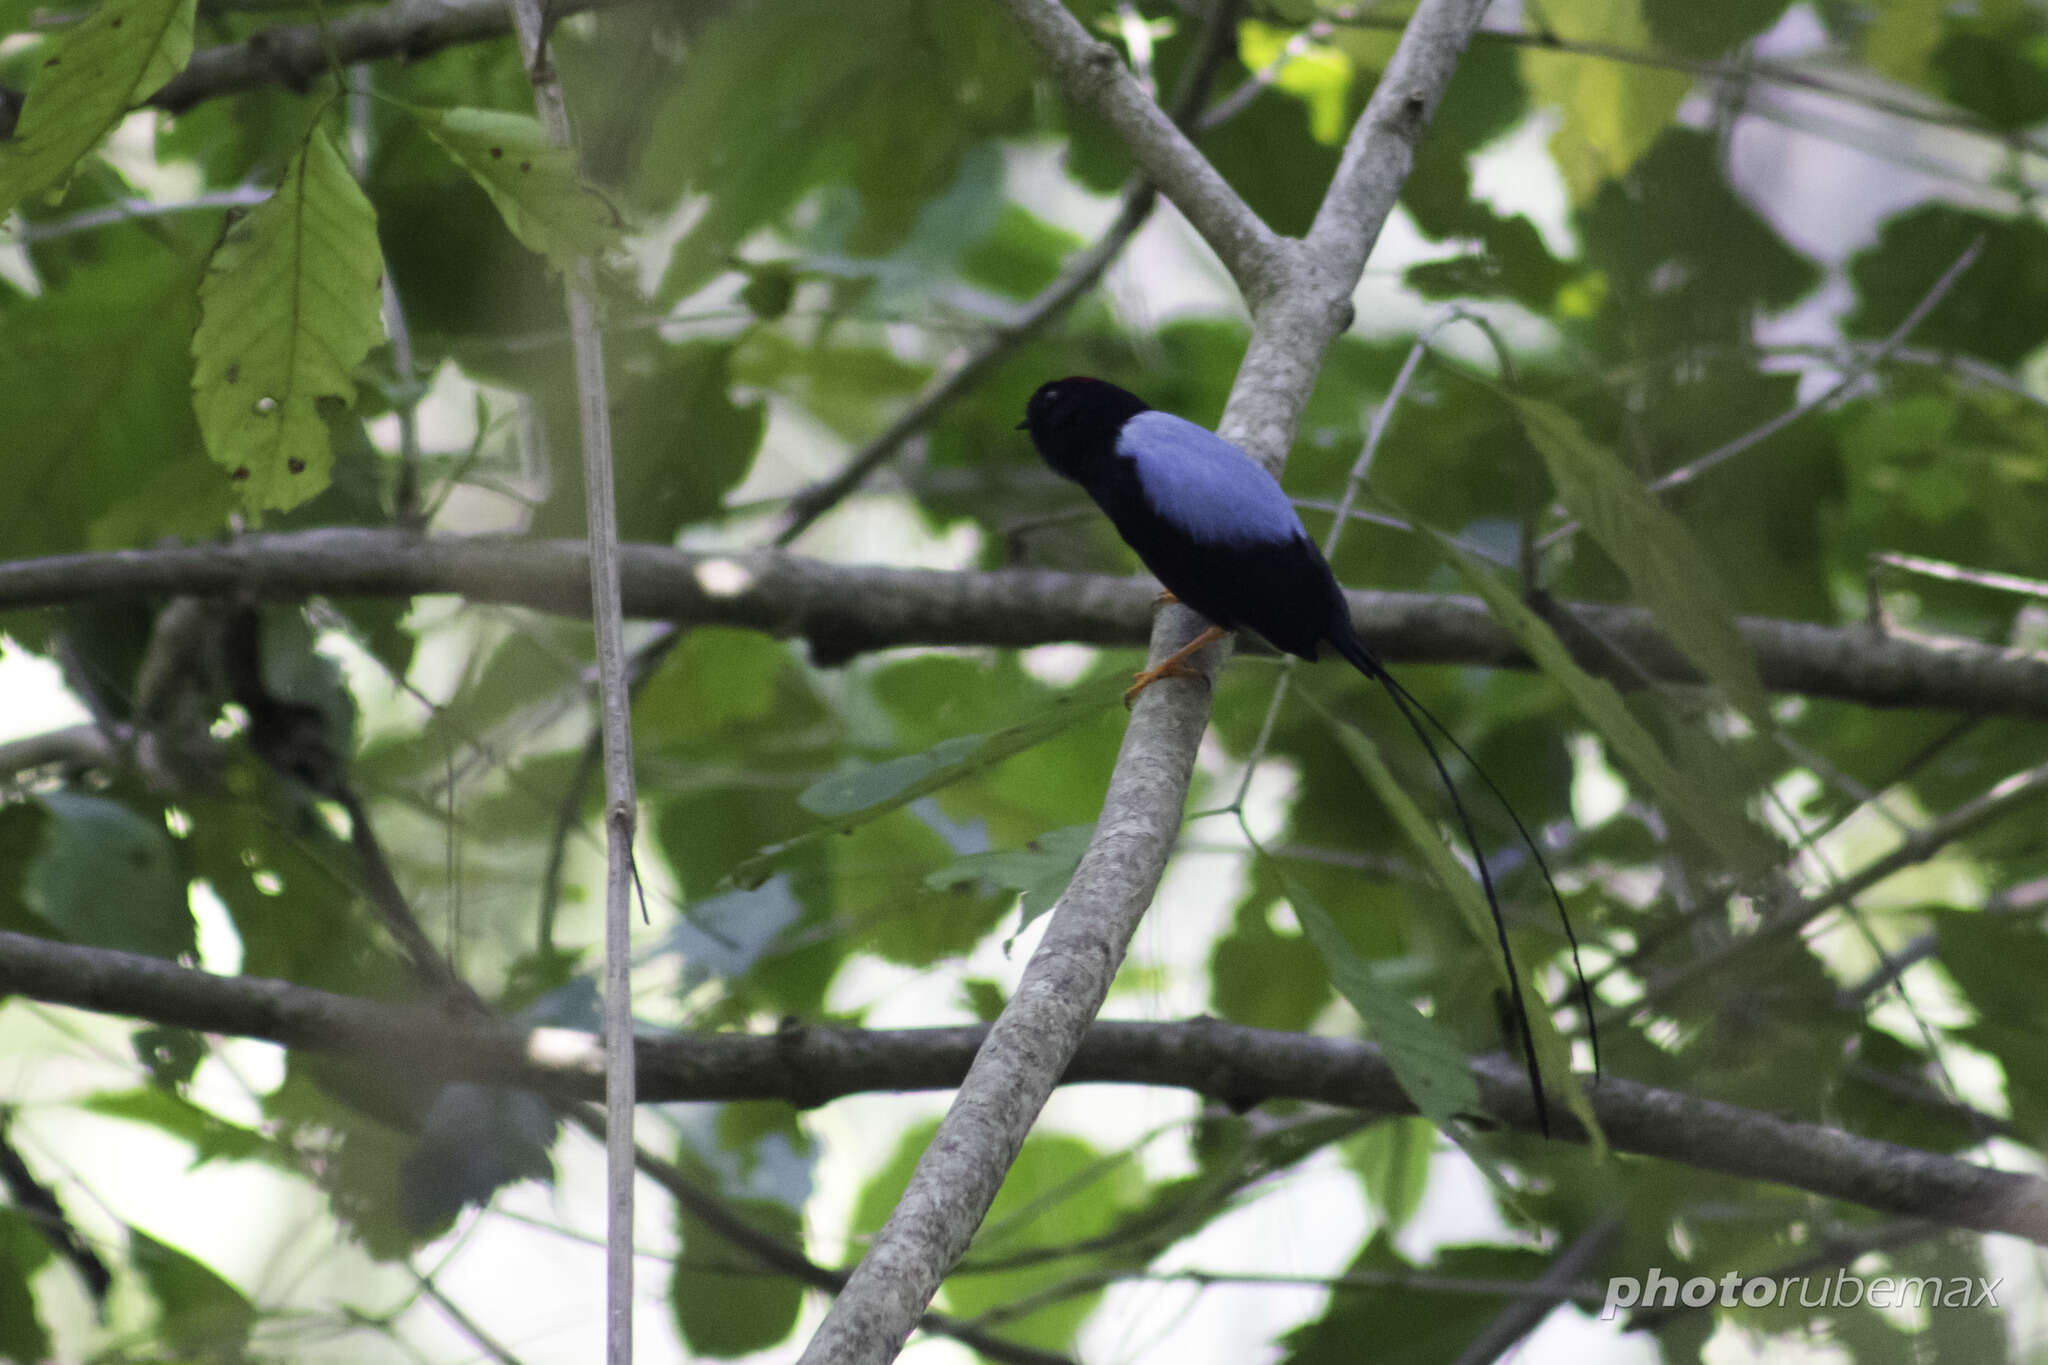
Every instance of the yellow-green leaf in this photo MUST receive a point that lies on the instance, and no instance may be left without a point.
(1613, 111)
(288, 309)
(535, 186)
(1317, 74)
(112, 61)
(1669, 572)
(1553, 1053)
(1701, 797)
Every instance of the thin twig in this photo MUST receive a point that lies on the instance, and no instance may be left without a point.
(621, 802)
(1554, 1286)
(1851, 377)
(2008, 794)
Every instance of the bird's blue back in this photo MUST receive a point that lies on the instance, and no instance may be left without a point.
(1210, 490)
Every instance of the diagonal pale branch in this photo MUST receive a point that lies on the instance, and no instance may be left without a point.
(1094, 77)
(1232, 1063)
(1300, 297)
(847, 609)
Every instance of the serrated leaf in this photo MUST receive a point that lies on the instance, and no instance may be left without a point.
(1666, 567)
(537, 188)
(288, 309)
(92, 76)
(1698, 798)
(107, 878)
(1553, 1053)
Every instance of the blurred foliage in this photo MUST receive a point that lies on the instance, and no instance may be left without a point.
(802, 213)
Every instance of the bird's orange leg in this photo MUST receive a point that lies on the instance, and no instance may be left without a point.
(1165, 598)
(1174, 665)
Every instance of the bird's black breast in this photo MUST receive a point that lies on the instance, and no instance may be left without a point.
(1282, 589)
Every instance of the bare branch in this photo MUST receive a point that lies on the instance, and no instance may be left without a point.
(848, 609)
(811, 1066)
(1095, 78)
(295, 55)
(1300, 297)
(615, 707)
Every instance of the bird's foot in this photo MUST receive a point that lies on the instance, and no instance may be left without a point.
(1172, 668)
(1176, 665)
(1165, 599)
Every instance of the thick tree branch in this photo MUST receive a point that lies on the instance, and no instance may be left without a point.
(293, 55)
(811, 1066)
(843, 610)
(1300, 297)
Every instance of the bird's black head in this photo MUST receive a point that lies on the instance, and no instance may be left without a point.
(1074, 421)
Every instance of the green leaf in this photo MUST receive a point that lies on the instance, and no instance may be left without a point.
(23, 1250)
(850, 799)
(108, 878)
(1613, 111)
(1392, 1159)
(200, 1314)
(1997, 309)
(1318, 74)
(211, 1137)
(1702, 799)
(724, 1304)
(536, 187)
(1021, 255)
(1553, 1053)
(863, 793)
(1669, 572)
(118, 57)
(289, 307)
(1041, 869)
(1426, 1059)
(1902, 36)
(1696, 30)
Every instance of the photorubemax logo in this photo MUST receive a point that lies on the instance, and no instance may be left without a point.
(1841, 1290)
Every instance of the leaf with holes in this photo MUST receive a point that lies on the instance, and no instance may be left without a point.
(92, 76)
(536, 187)
(288, 309)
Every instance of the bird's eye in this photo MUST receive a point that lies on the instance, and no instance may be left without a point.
(1052, 395)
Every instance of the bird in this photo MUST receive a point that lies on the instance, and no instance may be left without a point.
(1222, 537)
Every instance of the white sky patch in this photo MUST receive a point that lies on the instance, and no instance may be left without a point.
(1598, 792)
(33, 698)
